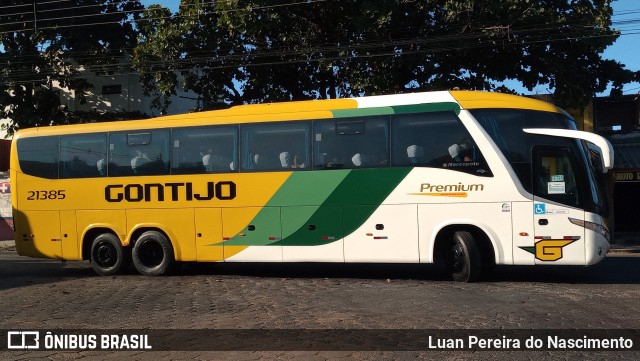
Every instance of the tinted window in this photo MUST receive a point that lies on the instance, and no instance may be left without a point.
(139, 153)
(435, 140)
(205, 150)
(83, 156)
(39, 156)
(505, 126)
(556, 176)
(275, 146)
(351, 143)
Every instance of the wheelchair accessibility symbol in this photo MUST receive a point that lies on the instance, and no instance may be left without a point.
(539, 208)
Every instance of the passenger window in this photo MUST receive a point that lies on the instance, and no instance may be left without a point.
(275, 146)
(436, 140)
(39, 156)
(144, 152)
(83, 156)
(205, 150)
(351, 143)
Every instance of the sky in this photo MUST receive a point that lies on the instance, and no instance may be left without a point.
(626, 49)
(626, 18)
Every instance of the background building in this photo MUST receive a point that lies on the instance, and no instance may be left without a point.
(122, 93)
(618, 119)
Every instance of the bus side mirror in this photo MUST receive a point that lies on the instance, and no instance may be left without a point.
(597, 142)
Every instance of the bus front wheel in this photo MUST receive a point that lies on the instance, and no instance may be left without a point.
(464, 259)
(152, 254)
(108, 257)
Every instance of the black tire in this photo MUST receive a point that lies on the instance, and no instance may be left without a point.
(108, 257)
(152, 254)
(464, 258)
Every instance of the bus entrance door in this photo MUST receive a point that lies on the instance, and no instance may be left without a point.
(556, 201)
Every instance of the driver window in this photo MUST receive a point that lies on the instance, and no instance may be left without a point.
(556, 178)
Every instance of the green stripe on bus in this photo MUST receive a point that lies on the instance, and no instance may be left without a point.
(423, 108)
(398, 109)
(361, 112)
(318, 213)
(304, 192)
(308, 188)
(362, 187)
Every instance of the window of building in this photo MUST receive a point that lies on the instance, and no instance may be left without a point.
(112, 89)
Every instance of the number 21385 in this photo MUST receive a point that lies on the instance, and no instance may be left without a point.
(46, 195)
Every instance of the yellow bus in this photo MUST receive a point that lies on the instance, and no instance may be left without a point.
(464, 179)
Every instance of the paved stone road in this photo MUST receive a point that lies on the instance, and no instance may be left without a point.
(50, 294)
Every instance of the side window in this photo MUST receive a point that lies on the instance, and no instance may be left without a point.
(39, 156)
(436, 140)
(271, 146)
(143, 152)
(205, 150)
(83, 156)
(351, 143)
(555, 176)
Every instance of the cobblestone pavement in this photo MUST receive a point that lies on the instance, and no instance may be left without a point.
(43, 294)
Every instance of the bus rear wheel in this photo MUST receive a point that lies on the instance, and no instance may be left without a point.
(464, 258)
(152, 254)
(108, 257)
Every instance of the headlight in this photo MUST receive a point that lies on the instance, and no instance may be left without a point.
(598, 228)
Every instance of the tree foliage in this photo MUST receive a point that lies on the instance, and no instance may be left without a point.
(188, 48)
(51, 42)
(248, 51)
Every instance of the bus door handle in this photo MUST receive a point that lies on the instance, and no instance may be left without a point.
(543, 221)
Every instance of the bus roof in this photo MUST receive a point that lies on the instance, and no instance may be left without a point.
(310, 109)
(483, 100)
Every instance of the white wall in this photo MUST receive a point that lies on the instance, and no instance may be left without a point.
(130, 99)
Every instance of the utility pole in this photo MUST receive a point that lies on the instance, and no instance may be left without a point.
(35, 17)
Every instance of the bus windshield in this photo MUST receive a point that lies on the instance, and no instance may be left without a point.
(505, 127)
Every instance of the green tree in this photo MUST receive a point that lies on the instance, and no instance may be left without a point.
(248, 51)
(47, 42)
(189, 50)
